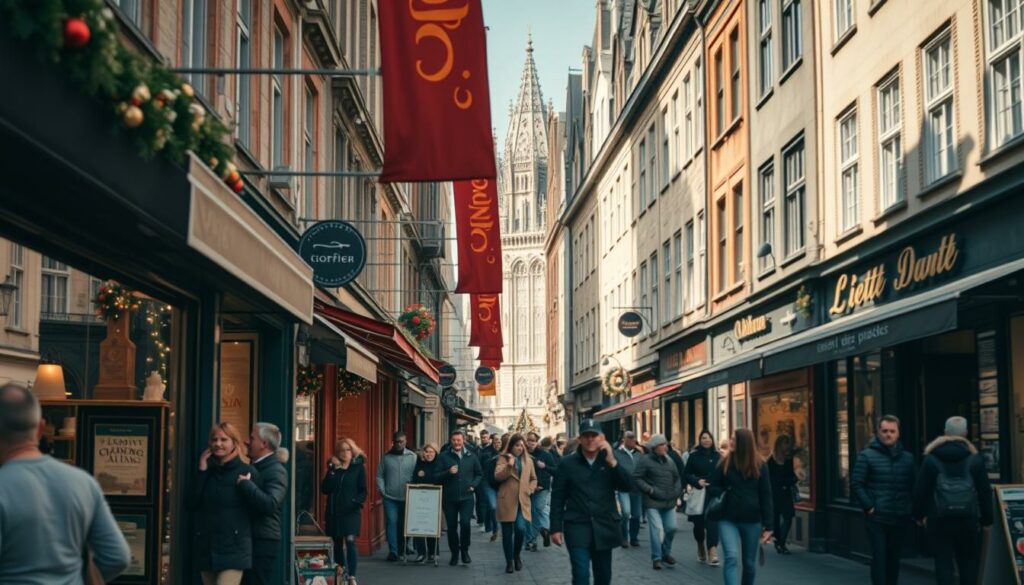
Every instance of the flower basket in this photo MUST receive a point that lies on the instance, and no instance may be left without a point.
(418, 321)
(114, 300)
(308, 381)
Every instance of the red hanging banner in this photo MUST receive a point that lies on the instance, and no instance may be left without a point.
(490, 356)
(478, 236)
(437, 110)
(485, 322)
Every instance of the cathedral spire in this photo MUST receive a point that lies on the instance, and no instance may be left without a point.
(527, 133)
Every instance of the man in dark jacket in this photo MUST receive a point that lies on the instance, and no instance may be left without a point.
(882, 481)
(953, 498)
(657, 478)
(481, 498)
(630, 502)
(583, 511)
(460, 474)
(540, 501)
(265, 494)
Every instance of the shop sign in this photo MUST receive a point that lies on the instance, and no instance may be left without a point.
(910, 269)
(335, 250)
(682, 358)
(631, 324)
(751, 326)
(449, 399)
(484, 375)
(447, 375)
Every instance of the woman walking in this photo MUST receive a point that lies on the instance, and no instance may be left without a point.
(700, 465)
(518, 479)
(223, 539)
(783, 479)
(746, 517)
(345, 486)
(426, 471)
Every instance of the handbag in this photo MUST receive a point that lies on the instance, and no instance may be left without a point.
(715, 508)
(90, 572)
(695, 503)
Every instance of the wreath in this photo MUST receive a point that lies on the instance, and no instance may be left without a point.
(114, 299)
(616, 381)
(350, 384)
(803, 302)
(308, 381)
(418, 321)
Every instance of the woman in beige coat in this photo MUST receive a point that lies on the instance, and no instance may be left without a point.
(518, 479)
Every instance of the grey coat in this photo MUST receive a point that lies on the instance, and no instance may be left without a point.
(394, 472)
(658, 479)
(628, 463)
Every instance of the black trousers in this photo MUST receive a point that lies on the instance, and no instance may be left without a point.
(886, 545)
(702, 527)
(457, 516)
(264, 553)
(959, 540)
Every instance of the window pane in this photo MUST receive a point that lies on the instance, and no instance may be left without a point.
(841, 481)
(1006, 90)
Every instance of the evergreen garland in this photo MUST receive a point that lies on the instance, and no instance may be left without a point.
(308, 381)
(114, 299)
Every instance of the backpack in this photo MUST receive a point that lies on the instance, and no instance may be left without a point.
(955, 496)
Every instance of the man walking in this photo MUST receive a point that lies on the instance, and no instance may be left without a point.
(657, 477)
(481, 497)
(882, 482)
(953, 500)
(630, 501)
(460, 476)
(540, 501)
(393, 473)
(583, 513)
(265, 494)
(50, 512)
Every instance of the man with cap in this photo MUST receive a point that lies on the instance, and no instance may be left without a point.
(953, 500)
(657, 478)
(583, 505)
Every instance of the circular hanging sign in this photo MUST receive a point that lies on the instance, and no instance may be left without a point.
(631, 324)
(449, 399)
(484, 375)
(448, 375)
(335, 250)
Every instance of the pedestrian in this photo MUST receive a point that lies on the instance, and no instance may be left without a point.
(223, 514)
(700, 466)
(393, 473)
(480, 512)
(630, 500)
(561, 442)
(460, 476)
(657, 477)
(784, 490)
(488, 486)
(265, 494)
(427, 472)
(724, 447)
(517, 479)
(953, 500)
(882, 482)
(583, 510)
(540, 502)
(345, 486)
(746, 517)
(51, 513)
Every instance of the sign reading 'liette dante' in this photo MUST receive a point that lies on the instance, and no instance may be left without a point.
(335, 250)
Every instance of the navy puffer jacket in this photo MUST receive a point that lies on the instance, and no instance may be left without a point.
(883, 479)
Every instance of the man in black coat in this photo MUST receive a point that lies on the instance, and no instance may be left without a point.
(460, 474)
(953, 499)
(265, 495)
(882, 482)
(583, 510)
(540, 500)
(481, 498)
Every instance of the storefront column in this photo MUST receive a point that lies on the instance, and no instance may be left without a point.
(822, 470)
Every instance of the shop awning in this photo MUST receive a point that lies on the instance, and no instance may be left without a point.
(382, 339)
(467, 414)
(332, 345)
(744, 367)
(634, 405)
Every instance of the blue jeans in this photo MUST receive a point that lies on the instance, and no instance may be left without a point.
(737, 536)
(349, 557)
(394, 519)
(540, 507)
(583, 558)
(629, 508)
(662, 526)
(490, 507)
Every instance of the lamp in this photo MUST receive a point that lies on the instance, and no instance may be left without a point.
(7, 288)
(766, 250)
(49, 383)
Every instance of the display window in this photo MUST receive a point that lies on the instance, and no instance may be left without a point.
(781, 407)
(858, 405)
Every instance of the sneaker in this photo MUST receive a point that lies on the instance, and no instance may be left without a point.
(392, 557)
(625, 544)
(494, 536)
(634, 543)
(483, 529)
(702, 553)
(657, 565)
(669, 560)
(714, 559)
(420, 559)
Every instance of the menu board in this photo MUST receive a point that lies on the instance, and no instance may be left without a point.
(121, 458)
(423, 510)
(236, 384)
(1004, 557)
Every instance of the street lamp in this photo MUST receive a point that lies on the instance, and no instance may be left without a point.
(766, 250)
(7, 289)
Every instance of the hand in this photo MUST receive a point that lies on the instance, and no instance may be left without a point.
(556, 537)
(540, 465)
(509, 458)
(609, 455)
(243, 477)
(871, 511)
(472, 489)
(453, 469)
(702, 483)
(203, 460)
(766, 536)
(335, 462)
(420, 473)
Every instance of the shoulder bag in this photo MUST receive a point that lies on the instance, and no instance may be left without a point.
(714, 510)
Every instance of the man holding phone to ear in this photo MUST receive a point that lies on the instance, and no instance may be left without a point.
(583, 506)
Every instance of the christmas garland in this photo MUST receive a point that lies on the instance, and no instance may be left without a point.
(158, 110)
(308, 381)
(350, 384)
(114, 299)
(616, 381)
(418, 321)
(803, 302)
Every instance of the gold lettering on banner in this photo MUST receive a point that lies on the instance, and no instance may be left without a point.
(481, 221)
(436, 20)
(750, 326)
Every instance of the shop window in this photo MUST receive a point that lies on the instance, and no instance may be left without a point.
(786, 413)
(193, 41)
(54, 291)
(18, 280)
(739, 407)
(859, 405)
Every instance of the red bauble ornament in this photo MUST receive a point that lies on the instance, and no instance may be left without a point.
(238, 186)
(415, 320)
(76, 33)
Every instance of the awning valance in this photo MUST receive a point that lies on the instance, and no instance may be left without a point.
(641, 403)
(467, 414)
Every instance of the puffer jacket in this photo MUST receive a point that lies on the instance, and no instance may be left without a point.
(957, 456)
(266, 494)
(658, 479)
(628, 462)
(223, 517)
(883, 479)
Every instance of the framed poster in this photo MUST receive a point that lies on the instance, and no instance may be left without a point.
(423, 510)
(140, 528)
(989, 419)
(120, 459)
(133, 527)
(988, 392)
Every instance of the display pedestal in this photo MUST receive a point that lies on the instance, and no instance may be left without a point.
(117, 363)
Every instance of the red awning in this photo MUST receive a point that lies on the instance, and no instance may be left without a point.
(636, 404)
(383, 339)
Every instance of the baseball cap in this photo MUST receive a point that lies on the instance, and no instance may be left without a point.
(589, 425)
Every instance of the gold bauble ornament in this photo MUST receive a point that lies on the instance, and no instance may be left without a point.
(141, 93)
(132, 117)
(187, 90)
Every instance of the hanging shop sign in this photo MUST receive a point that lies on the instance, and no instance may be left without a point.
(448, 375)
(449, 399)
(484, 375)
(631, 324)
(335, 250)
(751, 326)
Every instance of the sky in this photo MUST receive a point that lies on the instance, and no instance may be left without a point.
(560, 30)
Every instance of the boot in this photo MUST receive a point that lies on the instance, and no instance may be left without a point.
(702, 553)
(519, 564)
(508, 567)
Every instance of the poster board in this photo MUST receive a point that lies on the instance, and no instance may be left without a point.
(120, 460)
(422, 511)
(1004, 554)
